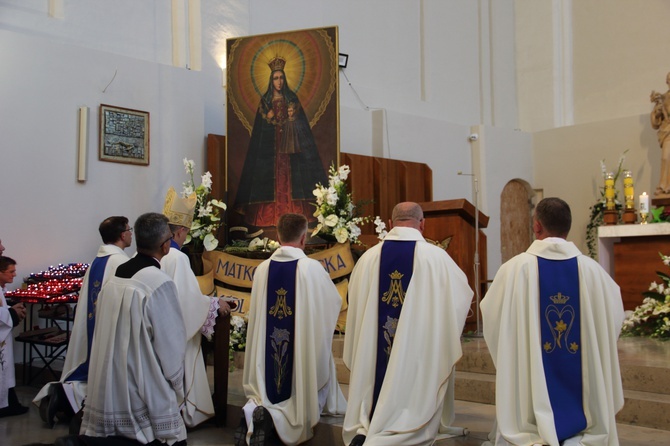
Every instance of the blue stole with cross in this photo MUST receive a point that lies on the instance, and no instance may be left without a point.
(95, 277)
(395, 272)
(561, 343)
(280, 330)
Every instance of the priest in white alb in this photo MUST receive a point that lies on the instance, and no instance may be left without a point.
(289, 374)
(551, 319)
(199, 310)
(116, 236)
(408, 301)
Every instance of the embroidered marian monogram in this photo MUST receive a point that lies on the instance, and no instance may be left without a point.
(281, 309)
(559, 312)
(396, 266)
(395, 295)
(280, 330)
(560, 318)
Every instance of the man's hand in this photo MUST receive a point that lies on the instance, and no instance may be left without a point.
(224, 308)
(20, 310)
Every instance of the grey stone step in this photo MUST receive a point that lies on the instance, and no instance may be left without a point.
(645, 409)
(643, 378)
(475, 387)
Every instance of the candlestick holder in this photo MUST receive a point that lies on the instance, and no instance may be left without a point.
(629, 217)
(643, 217)
(610, 217)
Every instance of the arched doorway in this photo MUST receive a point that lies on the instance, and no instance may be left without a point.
(516, 210)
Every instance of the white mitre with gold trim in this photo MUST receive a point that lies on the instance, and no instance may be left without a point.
(179, 210)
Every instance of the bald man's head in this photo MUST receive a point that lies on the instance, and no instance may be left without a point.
(408, 214)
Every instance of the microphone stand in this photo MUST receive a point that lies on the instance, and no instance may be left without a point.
(477, 290)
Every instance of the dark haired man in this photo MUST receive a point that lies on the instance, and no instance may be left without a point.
(551, 321)
(9, 318)
(116, 236)
(292, 317)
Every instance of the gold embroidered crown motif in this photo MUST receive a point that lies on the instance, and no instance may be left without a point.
(559, 298)
(396, 275)
(281, 292)
(277, 63)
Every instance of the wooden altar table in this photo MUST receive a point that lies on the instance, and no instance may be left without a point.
(629, 253)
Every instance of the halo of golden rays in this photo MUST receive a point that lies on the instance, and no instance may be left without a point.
(311, 71)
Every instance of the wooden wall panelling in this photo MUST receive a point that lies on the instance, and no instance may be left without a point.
(216, 165)
(636, 261)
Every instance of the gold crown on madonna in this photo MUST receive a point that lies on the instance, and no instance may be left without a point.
(178, 210)
(277, 63)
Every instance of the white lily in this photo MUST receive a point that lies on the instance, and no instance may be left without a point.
(344, 172)
(341, 234)
(331, 197)
(256, 244)
(206, 180)
(331, 220)
(210, 242)
(317, 229)
(218, 204)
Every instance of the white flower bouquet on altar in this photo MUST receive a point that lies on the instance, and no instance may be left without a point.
(207, 211)
(335, 210)
(652, 318)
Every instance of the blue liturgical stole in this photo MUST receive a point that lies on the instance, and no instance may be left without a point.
(280, 330)
(95, 277)
(395, 272)
(561, 343)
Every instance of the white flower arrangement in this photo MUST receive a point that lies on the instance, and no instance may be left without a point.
(238, 334)
(380, 228)
(652, 318)
(335, 210)
(207, 210)
(264, 244)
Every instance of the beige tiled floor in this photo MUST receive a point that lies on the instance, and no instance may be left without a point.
(478, 418)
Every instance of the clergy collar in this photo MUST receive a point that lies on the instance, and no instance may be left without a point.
(555, 240)
(404, 233)
(551, 250)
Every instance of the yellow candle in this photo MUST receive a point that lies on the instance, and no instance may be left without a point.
(609, 190)
(628, 190)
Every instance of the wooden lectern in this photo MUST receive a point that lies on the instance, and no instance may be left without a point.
(455, 219)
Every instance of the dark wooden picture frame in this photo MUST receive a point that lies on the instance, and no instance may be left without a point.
(267, 123)
(124, 135)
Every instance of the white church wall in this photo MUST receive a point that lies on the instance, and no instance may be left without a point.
(619, 57)
(48, 217)
(567, 163)
(609, 53)
(141, 30)
(506, 155)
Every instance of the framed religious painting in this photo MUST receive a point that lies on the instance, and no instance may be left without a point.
(282, 125)
(124, 135)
